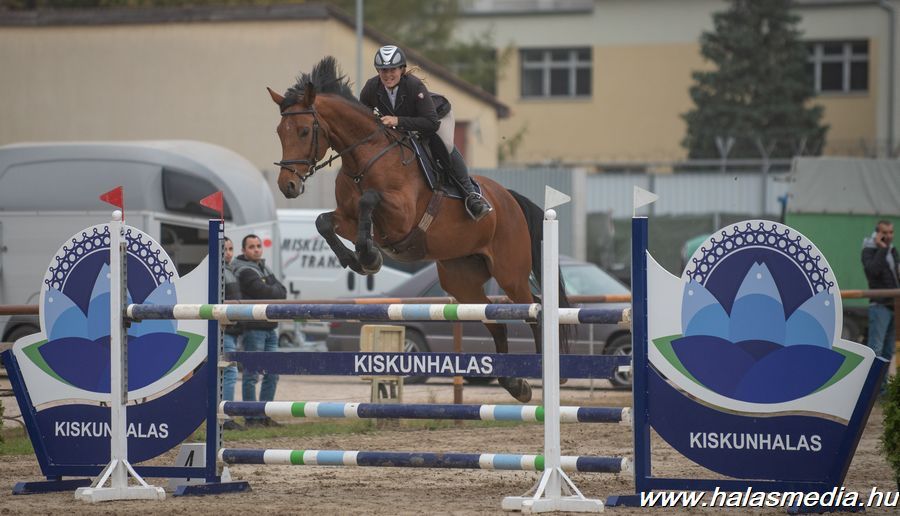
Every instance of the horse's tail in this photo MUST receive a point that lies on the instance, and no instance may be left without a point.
(534, 217)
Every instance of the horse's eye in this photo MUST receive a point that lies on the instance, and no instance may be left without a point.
(304, 132)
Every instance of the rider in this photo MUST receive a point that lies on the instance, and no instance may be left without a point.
(403, 102)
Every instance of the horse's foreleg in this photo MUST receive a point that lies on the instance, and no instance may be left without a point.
(517, 387)
(347, 258)
(369, 255)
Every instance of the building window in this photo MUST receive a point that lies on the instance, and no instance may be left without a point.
(557, 72)
(839, 66)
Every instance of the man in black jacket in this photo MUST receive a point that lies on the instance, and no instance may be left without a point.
(405, 103)
(880, 261)
(258, 282)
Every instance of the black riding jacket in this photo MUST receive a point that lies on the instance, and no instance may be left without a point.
(414, 110)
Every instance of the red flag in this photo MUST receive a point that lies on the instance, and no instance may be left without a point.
(214, 202)
(114, 197)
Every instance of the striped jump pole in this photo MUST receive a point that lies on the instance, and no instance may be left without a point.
(374, 312)
(525, 413)
(495, 461)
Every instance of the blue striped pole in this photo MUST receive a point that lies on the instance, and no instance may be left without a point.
(513, 462)
(375, 312)
(315, 409)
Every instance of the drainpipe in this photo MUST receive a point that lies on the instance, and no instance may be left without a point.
(892, 49)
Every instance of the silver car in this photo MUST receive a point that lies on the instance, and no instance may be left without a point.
(581, 278)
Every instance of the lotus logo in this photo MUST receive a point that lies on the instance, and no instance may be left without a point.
(75, 315)
(759, 318)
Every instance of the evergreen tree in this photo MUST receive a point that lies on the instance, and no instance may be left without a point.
(759, 92)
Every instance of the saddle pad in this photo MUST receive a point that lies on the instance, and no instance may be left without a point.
(431, 176)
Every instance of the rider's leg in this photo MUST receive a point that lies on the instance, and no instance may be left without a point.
(476, 205)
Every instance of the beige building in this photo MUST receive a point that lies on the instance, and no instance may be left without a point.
(196, 73)
(593, 81)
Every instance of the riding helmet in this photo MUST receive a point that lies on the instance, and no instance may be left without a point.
(389, 56)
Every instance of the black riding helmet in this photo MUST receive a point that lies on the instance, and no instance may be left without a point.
(389, 56)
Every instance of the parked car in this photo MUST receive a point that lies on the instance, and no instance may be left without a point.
(581, 278)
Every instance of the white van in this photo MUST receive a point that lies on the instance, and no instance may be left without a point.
(49, 191)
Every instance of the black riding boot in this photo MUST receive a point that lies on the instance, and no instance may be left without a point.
(475, 203)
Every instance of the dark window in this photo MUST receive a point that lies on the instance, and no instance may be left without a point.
(556, 72)
(182, 193)
(839, 66)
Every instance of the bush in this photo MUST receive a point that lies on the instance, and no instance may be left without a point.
(890, 440)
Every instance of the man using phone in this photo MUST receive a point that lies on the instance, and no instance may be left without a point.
(880, 261)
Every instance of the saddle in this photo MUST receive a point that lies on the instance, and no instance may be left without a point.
(412, 247)
(435, 177)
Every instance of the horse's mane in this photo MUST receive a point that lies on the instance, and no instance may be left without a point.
(326, 77)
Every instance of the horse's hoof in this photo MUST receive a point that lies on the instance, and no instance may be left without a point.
(518, 387)
(375, 266)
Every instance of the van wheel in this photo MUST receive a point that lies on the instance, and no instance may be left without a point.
(619, 346)
(21, 331)
(414, 343)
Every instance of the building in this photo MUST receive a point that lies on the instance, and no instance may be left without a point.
(197, 73)
(606, 81)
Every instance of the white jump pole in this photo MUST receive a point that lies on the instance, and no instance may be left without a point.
(555, 491)
(118, 469)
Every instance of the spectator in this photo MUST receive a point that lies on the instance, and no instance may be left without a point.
(258, 282)
(232, 332)
(879, 258)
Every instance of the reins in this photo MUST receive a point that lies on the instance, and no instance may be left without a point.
(313, 164)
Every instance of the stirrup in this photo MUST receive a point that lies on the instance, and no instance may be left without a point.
(474, 197)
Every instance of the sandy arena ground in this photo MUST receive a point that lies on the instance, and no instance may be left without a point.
(327, 490)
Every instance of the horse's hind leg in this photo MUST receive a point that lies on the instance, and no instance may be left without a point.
(369, 255)
(464, 278)
(326, 227)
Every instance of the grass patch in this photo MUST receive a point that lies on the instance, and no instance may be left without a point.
(15, 442)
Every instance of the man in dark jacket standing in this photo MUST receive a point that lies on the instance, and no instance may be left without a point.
(258, 282)
(880, 261)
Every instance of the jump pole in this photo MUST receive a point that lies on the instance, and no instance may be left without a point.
(554, 491)
(118, 469)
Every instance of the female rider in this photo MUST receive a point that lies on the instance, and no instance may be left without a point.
(404, 103)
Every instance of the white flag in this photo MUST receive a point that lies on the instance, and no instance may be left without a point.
(643, 197)
(554, 198)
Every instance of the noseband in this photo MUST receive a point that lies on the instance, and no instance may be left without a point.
(312, 163)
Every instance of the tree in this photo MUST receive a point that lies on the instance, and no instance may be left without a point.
(759, 92)
(428, 27)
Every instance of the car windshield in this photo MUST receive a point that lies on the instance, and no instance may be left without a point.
(590, 280)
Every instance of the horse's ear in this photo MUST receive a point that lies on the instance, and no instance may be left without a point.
(309, 94)
(278, 99)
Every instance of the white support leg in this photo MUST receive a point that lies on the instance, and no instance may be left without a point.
(118, 469)
(554, 491)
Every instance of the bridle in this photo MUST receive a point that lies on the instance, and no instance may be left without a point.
(312, 164)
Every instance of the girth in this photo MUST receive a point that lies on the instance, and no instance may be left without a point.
(412, 247)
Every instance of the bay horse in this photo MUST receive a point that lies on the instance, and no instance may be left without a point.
(385, 205)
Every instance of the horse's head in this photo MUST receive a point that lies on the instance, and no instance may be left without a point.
(303, 141)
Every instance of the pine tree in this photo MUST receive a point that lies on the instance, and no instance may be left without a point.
(759, 92)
